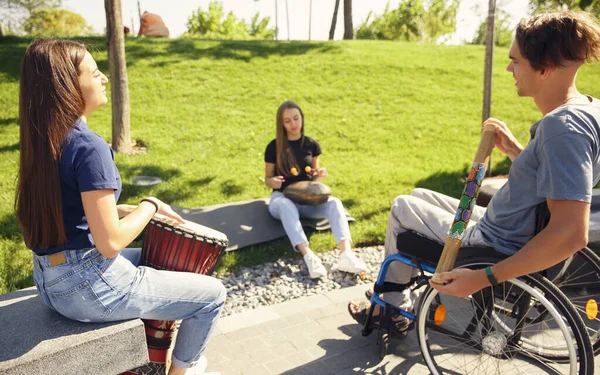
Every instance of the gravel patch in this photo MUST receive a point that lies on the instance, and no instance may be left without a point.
(287, 279)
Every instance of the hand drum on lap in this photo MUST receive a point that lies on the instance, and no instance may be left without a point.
(307, 192)
(187, 247)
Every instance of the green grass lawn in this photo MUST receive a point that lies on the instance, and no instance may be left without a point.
(389, 116)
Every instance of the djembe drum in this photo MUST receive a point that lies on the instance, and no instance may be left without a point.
(188, 247)
(307, 192)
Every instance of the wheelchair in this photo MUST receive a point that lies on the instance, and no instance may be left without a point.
(540, 323)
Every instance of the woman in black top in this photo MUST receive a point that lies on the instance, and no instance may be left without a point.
(293, 157)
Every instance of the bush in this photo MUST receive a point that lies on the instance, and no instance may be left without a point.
(213, 25)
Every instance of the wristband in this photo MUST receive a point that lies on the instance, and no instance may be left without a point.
(490, 275)
(150, 201)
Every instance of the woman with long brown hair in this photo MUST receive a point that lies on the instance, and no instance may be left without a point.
(68, 186)
(293, 157)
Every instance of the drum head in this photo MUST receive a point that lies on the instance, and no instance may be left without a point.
(195, 229)
(307, 192)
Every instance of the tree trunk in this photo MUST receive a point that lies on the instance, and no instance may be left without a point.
(287, 18)
(1, 31)
(334, 19)
(348, 30)
(309, 19)
(117, 68)
(489, 57)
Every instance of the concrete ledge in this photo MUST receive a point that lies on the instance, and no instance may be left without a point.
(36, 340)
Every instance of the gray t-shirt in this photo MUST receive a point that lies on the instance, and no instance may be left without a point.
(562, 162)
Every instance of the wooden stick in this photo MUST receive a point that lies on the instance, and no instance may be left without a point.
(467, 200)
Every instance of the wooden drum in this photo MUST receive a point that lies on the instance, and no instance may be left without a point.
(187, 247)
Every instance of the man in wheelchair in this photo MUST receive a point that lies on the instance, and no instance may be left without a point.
(559, 166)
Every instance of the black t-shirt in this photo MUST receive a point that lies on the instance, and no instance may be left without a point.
(304, 149)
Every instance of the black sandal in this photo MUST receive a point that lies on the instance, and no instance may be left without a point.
(360, 316)
(399, 329)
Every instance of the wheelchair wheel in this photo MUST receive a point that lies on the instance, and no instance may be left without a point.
(522, 326)
(579, 279)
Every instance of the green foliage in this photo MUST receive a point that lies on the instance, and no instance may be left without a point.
(259, 28)
(13, 13)
(412, 20)
(592, 6)
(57, 23)
(211, 25)
(503, 33)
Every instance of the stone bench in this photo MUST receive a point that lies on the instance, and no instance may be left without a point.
(36, 340)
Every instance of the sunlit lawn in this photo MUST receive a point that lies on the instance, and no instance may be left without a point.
(389, 116)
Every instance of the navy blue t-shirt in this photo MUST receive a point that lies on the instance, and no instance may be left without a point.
(86, 164)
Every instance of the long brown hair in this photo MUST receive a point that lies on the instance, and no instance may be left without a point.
(50, 102)
(549, 39)
(285, 157)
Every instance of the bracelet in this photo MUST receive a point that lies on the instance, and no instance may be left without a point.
(150, 201)
(490, 275)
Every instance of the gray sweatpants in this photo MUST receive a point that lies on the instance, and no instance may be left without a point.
(430, 214)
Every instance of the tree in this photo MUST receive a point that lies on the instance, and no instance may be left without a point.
(592, 6)
(503, 34)
(348, 30)
(259, 28)
(412, 20)
(334, 19)
(212, 25)
(14, 12)
(56, 22)
(439, 19)
(117, 68)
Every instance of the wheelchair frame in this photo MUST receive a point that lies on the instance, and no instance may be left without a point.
(584, 356)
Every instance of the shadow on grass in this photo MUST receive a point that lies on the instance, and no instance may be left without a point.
(12, 50)
(9, 120)
(202, 181)
(229, 188)
(449, 183)
(15, 259)
(453, 183)
(10, 148)
(241, 50)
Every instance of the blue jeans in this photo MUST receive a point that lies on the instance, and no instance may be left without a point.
(90, 287)
(289, 213)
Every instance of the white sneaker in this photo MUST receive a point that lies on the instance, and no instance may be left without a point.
(314, 265)
(350, 263)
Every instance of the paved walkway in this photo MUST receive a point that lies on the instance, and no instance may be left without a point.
(309, 335)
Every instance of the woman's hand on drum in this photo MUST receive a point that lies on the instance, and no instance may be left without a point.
(505, 141)
(166, 211)
(277, 181)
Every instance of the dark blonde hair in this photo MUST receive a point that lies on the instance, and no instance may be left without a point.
(549, 39)
(50, 102)
(285, 157)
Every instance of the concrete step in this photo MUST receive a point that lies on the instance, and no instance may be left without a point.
(36, 340)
